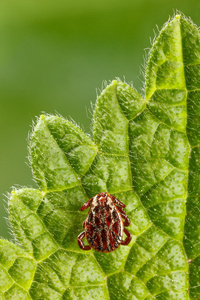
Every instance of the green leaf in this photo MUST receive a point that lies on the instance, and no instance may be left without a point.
(146, 153)
(17, 271)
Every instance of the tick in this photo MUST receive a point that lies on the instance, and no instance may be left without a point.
(104, 226)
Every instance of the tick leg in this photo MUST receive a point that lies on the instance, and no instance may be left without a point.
(80, 242)
(84, 224)
(85, 205)
(124, 216)
(116, 201)
(128, 239)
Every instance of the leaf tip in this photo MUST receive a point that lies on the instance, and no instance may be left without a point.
(114, 82)
(42, 117)
(178, 16)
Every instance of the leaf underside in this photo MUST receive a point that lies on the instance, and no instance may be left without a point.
(146, 153)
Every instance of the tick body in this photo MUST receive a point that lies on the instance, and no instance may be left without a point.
(104, 226)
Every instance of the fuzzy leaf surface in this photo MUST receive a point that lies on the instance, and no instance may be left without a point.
(146, 153)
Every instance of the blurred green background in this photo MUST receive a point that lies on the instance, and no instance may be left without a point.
(54, 56)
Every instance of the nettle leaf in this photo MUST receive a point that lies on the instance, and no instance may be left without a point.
(146, 153)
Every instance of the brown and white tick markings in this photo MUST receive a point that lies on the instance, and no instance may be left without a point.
(104, 226)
